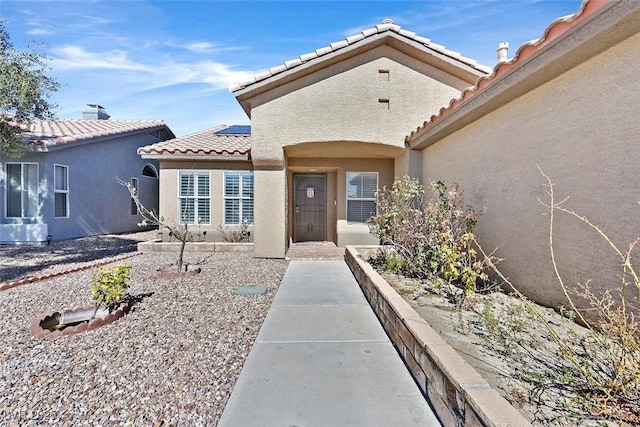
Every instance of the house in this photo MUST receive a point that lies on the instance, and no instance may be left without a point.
(327, 129)
(206, 179)
(568, 104)
(64, 185)
(330, 127)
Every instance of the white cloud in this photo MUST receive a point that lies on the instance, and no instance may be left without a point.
(146, 75)
(200, 47)
(203, 47)
(70, 57)
(38, 32)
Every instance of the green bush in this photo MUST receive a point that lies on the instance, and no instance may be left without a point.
(110, 286)
(431, 238)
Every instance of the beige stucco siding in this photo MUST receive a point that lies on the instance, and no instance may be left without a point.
(169, 172)
(345, 103)
(582, 129)
(351, 115)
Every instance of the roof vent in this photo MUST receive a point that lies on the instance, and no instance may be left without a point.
(388, 21)
(95, 112)
(503, 49)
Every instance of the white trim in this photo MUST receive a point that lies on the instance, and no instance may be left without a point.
(195, 197)
(6, 190)
(135, 184)
(155, 170)
(240, 197)
(366, 199)
(56, 191)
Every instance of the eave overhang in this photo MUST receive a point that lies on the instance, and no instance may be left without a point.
(567, 42)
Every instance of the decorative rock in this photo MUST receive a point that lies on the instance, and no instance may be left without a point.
(173, 359)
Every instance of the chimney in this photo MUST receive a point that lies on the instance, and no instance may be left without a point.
(503, 49)
(95, 112)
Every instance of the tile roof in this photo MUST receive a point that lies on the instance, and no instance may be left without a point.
(219, 140)
(557, 28)
(387, 25)
(48, 133)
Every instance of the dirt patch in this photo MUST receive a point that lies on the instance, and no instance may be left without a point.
(508, 345)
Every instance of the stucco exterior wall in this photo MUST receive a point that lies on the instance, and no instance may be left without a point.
(169, 171)
(329, 121)
(346, 103)
(582, 129)
(97, 203)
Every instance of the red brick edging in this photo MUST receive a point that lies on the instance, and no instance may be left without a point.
(38, 331)
(8, 285)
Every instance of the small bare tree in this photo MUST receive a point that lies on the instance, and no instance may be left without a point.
(150, 218)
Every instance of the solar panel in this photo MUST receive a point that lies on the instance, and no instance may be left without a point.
(235, 130)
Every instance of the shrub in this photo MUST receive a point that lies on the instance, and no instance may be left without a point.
(110, 286)
(596, 372)
(235, 233)
(431, 238)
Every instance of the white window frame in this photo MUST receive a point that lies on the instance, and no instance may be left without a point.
(195, 197)
(153, 168)
(240, 197)
(22, 191)
(135, 184)
(58, 191)
(366, 199)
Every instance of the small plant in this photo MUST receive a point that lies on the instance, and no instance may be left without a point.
(110, 286)
(176, 230)
(235, 234)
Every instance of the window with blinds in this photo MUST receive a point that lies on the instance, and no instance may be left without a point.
(194, 196)
(238, 197)
(361, 196)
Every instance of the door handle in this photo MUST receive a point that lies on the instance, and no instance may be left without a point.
(297, 209)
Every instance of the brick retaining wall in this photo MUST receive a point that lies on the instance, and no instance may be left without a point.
(457, 392)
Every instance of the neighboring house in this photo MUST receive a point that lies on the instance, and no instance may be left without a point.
(327, 129)
(64, 185)
(206, 179)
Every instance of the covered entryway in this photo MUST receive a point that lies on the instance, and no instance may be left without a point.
(309, 207)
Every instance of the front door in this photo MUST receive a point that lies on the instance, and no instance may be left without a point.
(309, 207)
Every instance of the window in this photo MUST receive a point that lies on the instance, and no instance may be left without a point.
(61, 191)
(238, 197)
(150, 171)
(194, 198)
(135, 187)
(22, 190)
(361, 195)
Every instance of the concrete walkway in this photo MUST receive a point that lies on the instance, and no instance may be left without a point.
(322, 359)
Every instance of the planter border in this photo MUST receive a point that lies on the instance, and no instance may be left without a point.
(39, 332)
(159, 246)
(458, 393)
(97, 263)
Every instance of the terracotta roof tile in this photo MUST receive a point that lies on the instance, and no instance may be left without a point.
(59, 132)
(387, 25)
(207, 142)
(552, 32)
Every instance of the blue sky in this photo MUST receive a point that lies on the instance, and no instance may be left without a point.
(174, 60)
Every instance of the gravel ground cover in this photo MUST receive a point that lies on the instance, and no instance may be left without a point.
(23, 261)
(173, 360)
